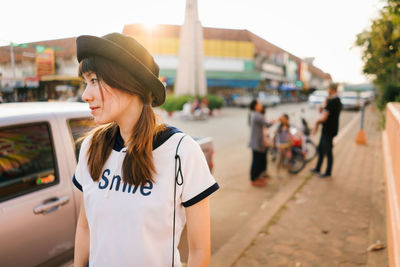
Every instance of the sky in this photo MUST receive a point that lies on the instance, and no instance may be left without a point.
(323, 29)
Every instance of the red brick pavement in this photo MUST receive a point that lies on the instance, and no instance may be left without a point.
(331, 222)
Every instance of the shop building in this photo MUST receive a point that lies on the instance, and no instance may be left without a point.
(235, 61)
(228, 54)
(42, 71)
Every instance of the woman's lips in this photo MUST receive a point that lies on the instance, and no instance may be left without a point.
(93, 109)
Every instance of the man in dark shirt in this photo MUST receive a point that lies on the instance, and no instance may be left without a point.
(330, 127)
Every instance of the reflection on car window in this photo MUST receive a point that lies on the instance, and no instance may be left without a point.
(26, 160)
(79, 127)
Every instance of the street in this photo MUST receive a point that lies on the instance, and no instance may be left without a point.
(237, 201)
(83, 104)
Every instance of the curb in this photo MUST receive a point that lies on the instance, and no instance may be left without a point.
(228, 254)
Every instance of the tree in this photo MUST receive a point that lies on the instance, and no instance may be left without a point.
(381, 52)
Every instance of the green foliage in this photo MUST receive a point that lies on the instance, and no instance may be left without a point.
(214, 101)
(173, 103)
(169, 104)
(381, 52)
(182, 100)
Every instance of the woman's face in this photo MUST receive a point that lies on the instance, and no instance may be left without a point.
(258, 107)
(108, 104)
(283, 120)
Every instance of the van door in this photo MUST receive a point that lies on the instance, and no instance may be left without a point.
(37, 215)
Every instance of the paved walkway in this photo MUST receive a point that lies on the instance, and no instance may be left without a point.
(331, 222)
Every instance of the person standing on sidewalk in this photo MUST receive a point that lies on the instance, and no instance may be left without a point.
(257, 144)
(330, 127)
(267, 144)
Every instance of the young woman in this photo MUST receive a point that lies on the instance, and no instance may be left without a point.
(141, 180)
(257, 144)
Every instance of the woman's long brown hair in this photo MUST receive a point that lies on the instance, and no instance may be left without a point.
(138, 167)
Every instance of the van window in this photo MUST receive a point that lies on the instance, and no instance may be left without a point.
(79, 127)
(27, 161)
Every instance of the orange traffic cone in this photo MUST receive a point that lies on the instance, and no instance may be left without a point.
(361, 138)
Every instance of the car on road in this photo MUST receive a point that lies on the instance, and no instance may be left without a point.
(243, 100)
(317, 98)
(266, 99)
(38, 203)
(351, 100)
(367, 96)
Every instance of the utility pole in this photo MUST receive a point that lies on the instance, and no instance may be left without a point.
(13, 81)
(12, 60)
(361, 138)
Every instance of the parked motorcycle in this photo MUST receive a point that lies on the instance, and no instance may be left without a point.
(297, 161)
(308, 145)
(303, 148)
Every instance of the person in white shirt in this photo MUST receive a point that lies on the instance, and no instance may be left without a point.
(142, 181)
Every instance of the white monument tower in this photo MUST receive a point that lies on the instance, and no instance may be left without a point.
(190, 78)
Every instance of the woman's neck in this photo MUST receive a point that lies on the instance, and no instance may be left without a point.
(127, 125)
(128, 119)
(125, 134)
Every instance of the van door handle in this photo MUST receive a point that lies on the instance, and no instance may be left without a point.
(51, 205)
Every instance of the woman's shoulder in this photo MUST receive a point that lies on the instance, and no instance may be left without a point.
(171, 137)
(256, 116)
(184, 140)
(185, 144)
(87, 140)
(85, 144)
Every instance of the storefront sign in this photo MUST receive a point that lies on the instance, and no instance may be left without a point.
(304, 74)
(272, 69)
(32, 82)
(45, 62)
(291, 70)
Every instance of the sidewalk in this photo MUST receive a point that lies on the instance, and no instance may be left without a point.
(331, 222)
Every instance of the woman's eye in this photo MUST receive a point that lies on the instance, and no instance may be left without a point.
(93, 80)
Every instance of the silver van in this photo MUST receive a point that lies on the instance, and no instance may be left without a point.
(38, 203)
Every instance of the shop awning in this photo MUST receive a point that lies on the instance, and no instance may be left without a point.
(285, 87)
(232, 83)
(228, 75)
(49, 78)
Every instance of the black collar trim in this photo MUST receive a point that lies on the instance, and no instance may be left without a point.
(158, 139)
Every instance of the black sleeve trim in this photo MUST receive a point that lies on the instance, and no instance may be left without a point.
(76, 183)
(201, 196)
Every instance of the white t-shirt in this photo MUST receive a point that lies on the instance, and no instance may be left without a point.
(132, 226)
